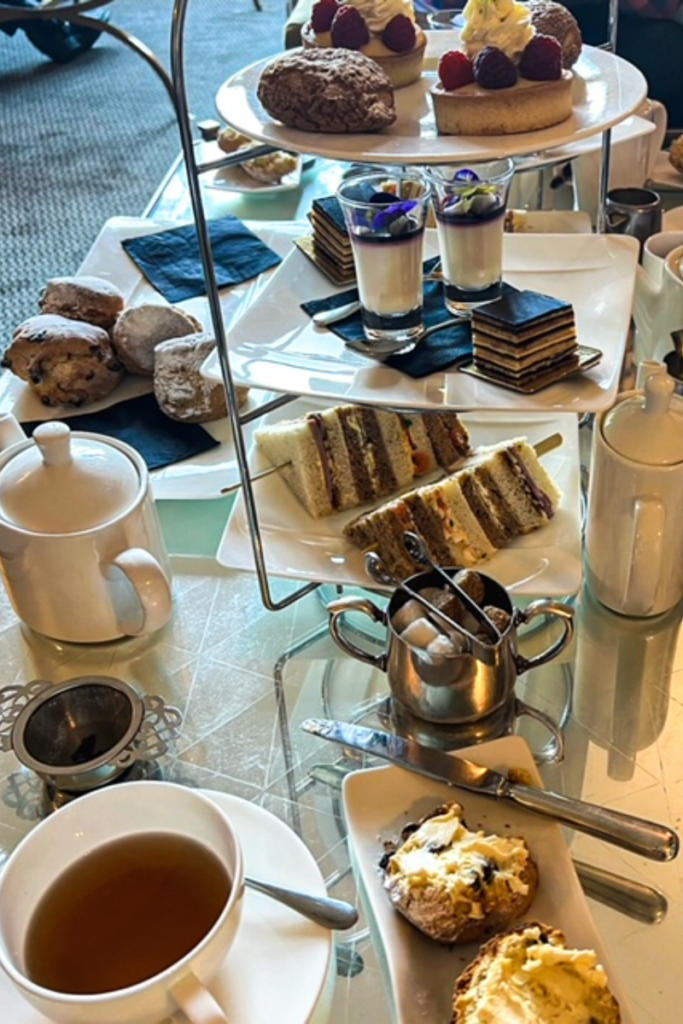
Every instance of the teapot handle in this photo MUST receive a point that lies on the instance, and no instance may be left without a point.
(152, 587)
(646, 550)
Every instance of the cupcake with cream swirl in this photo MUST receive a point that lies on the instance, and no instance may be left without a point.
(384, 30)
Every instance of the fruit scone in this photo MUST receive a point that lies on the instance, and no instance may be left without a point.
(458, 886)
(531, 976)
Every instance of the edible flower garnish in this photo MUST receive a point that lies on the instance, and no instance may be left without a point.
(465, 174)
(395, 218)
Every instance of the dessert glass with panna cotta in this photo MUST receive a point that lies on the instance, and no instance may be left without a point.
(469, 206)
(385, 215)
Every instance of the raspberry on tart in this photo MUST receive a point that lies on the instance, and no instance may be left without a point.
(455, 69)
(542, 59)
(349, 28)
(400, 34)
(493, 69)
(322, 15)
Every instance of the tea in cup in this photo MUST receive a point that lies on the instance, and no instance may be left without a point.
(119, 908)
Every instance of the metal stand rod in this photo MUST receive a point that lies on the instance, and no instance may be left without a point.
(206, 252)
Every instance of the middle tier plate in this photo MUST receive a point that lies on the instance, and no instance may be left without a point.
(546, 562)
(275, 345)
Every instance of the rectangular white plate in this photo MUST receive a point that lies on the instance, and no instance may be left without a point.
(297, 546)
(275, 345)
(420, 974)
(202, 476)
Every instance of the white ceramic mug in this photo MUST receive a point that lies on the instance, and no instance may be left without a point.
(93, 584)
(70, 834)
(658, 296)
(634, 529)
(631, 161)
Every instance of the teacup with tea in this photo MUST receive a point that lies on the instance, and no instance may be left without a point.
(119, 908)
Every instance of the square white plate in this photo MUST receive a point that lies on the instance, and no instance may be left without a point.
(275, 345)
(420, 974)
(202, 476)
(546, 563)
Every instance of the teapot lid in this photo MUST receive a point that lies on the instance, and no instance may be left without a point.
(647, 426)
(65, 483)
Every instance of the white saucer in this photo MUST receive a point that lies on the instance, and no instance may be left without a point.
(279, 968)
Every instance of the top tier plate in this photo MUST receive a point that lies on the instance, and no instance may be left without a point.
(606, 89)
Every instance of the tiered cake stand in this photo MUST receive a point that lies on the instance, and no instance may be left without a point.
(606, 91)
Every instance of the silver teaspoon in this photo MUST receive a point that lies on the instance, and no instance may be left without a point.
(332, 316)
(323, 910)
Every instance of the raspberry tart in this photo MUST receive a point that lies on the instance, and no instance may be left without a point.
(508, 79)
(384, 30)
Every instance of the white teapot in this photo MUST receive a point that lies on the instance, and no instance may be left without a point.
(634, 530)
(658, 297)
(81, 551)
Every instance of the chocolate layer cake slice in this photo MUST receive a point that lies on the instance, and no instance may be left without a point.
(525, 335)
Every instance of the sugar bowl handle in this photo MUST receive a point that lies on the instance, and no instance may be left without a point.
(549, 608)
(337, 610)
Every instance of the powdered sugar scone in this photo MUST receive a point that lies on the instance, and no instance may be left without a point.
(508, 78)
(181, 389)
(384, 30)
(92, 300)
(139, 329)
(66, 362)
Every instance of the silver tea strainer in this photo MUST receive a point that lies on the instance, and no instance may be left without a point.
(83, 733)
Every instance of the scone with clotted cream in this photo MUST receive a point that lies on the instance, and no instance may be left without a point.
(455, 885)
(531, 976)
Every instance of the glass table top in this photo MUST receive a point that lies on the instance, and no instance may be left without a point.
(244, 679)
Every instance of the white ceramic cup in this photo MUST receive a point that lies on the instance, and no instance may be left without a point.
(631, 161)
(658, 296)
(70, 834)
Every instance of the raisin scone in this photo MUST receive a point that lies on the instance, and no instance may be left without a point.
(65, 361)
(181, 389)
(455, 885)
(531, 976)
(89, 299)
(327, 90)
(139, 329)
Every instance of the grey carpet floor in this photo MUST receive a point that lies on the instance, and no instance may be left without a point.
(92, 139)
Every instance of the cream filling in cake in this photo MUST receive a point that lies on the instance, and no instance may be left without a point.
(524, 107)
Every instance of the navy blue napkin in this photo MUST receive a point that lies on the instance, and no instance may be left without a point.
(140, 423)
(444, 349)
(171, 262)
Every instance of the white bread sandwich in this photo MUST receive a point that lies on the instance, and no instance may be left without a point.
(338, 458)
(501, 492)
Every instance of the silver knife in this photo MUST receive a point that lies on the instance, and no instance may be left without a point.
(635, 834)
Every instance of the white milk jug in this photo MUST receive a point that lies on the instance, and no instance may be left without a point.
(634, 531)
